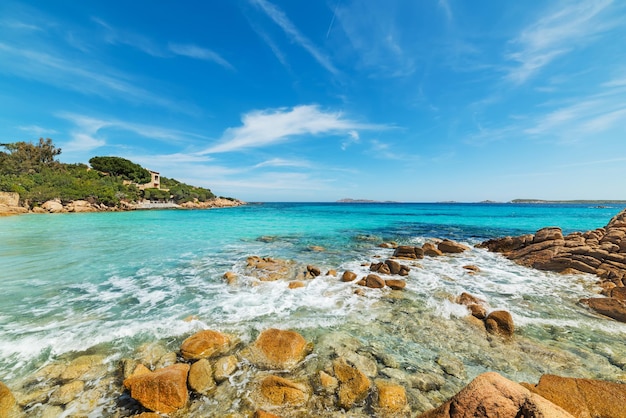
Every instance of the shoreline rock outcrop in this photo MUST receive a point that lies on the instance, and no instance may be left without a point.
(601, 252)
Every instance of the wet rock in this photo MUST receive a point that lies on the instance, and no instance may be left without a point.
(501, 323)
(395, 284)
(472, 268)
(451, 247)
(611, 307)
(452, 366)
(8, 403)
(264, 414)
(408, 252)
(583, 397)
(391, 397)
(270, 269)
(295, 284)
(281, 391)
(491, 395)
(66, 393)
(328, 383)
(230, 277)
(618, 293)
(430, 250)
(390, 244)
(205, 344)
(166, 359)
(277, 349)
(164, 390)
(475, 305)
(313, 271)
(85, 367)
(380, 268)
(200, 377)
(427, 382)
(364, 364)
(224, 368)
(348, 276)
(354, 385)
(331, 273)
(373, 281)
(148, 415)
(86, 402)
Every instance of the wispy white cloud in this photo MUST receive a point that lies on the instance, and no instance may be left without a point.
(77, 76)
(278, 53)
(554, 35)
(194, 51)
(353, 138)
(385, 150)
(283, 162)
(379, 42)
(262, 128)
(445, 5)
(37, 130)
(117, 36)
(281, 19)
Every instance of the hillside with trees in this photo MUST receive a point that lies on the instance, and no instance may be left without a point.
(33, 171)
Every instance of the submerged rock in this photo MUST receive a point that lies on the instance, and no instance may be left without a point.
(205, 344)
(281, 391)
(354, 385)
(501, 323)
(164, 390)
(270, 269)
(201, 377)
(391, 397)
(224, 368)
(277, 349)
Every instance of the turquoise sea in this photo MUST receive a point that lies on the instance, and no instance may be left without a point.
(109, 282)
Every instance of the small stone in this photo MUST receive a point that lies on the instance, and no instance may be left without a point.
(452, 366)
(430, 250)
(396, 284)
(354, 384)
(224, 368)
(313, 271)
(66, 393)
(348, 276)
(374, 281)
(87, 367)
(201, 377)
(264, 414)
(332, 273)
(295, 285)
(328, 382)
(281, 391)
(164, 390)
(391, 397)
(500, 322)
(230, 277)
(277, 349)
(472, 268)
(205, 344)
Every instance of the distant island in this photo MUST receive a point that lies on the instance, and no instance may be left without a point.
(573, 202)
(347, 200)
(32, 179)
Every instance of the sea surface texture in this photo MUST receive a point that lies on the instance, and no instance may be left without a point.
(110, 282)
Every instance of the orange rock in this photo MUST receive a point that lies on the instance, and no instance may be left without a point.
(374, 281)
(263, 414)
(354, 385)
(277, 349)
(7, 401)
(583, 397)
(430, 250)
(295, 285)
(500, 322)
(395, 284)
(164, 390)
(448, 246)
(391, 397)
(201, 377)
(280, 391)
(491, 395)
(348, 276)
(205, 344)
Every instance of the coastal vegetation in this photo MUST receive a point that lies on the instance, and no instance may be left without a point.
(33, 171)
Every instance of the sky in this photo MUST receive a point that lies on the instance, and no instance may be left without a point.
(268, 100)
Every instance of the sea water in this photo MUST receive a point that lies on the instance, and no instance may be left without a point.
(72, 282)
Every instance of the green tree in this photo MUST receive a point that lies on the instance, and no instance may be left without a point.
(26, 157)
(117, 166)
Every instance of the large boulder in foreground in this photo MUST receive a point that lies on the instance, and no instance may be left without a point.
(164, 390)
(7, 401)
(491, 395)
(277, 349)
(583, 397)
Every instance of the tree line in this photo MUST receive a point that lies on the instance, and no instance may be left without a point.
(33, 171)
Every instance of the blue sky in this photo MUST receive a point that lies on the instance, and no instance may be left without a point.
(269, 100)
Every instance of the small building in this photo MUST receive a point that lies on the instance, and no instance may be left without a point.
(155, 181)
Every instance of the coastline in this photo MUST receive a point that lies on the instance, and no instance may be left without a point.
(386, 351)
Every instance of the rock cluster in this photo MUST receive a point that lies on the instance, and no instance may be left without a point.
(601, 252)
(429, 249)
(497, 322)
(491, 395)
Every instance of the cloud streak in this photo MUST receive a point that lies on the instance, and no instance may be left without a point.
(553, 36)
(281, 19)
(263, 128)
(196, 52)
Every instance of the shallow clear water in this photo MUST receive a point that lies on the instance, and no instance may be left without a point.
(75, 281)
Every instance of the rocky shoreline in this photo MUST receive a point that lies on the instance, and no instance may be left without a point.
(281, 373)
(601, 252)
(10, 206)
